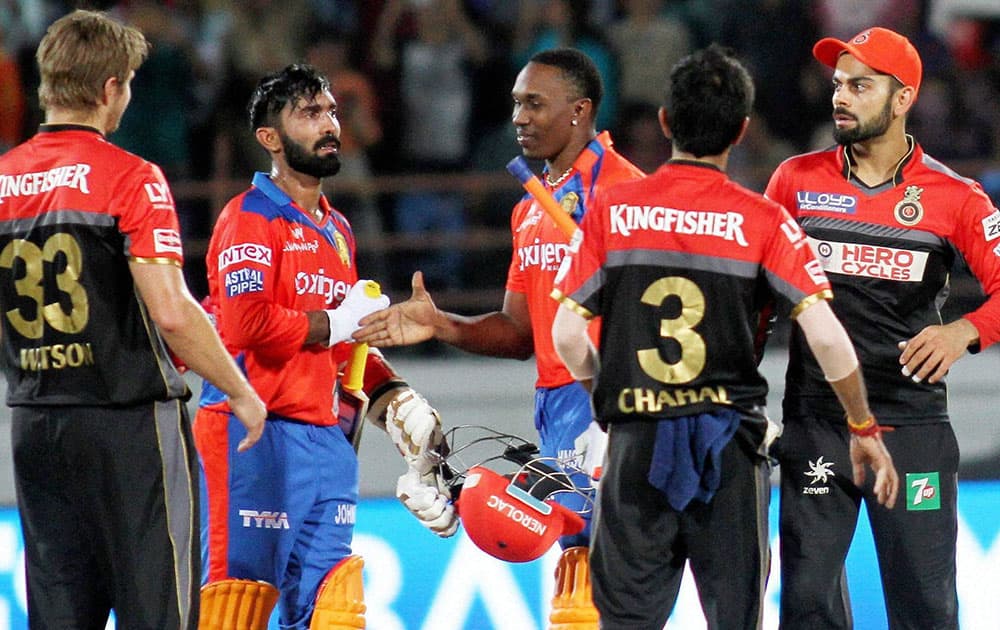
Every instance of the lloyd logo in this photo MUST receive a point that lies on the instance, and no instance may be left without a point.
(923, 491)
(158, 193)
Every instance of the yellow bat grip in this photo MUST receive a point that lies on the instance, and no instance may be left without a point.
(359, 354)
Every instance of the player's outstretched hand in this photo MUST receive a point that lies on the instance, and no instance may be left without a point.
(426, 500)
(402, 324)
(871, 450)
(252, 413)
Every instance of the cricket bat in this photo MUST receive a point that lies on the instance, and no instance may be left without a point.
(353, 400)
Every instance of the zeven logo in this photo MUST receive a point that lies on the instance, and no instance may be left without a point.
(923, 491)
(819, 472)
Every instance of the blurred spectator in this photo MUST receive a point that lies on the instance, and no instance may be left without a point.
(261, 36)
(639, 137)
(846, 18)
(647, 44)
(360, 128)
(435, 92)
(775, 39)
(156, 124)
(12, 104)
(549, 24)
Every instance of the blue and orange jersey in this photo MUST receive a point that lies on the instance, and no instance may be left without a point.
(75, 210)
(539, 246)
(889, 251)
(268, 264)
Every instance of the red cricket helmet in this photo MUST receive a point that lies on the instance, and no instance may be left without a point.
(513, 516)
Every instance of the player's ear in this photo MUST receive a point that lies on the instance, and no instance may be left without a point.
(661, 115)
(743, 131)
(268, 138)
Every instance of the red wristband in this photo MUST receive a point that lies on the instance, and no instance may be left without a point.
(866, 428)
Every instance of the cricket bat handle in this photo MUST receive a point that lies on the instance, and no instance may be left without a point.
(359, 353)
(518, 167)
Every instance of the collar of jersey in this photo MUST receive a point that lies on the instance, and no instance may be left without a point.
(897, 174)
(262, 182)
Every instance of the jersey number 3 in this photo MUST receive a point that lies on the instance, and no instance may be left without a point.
(680, 329)
(61, 255)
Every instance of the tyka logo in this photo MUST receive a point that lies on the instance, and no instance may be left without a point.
(264, 519)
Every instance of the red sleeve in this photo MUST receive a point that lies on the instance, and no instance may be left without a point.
(588, 259)
(254, 317)
(797, 275)
(974, 238)
(148, 217)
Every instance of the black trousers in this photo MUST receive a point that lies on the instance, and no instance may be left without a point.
(640, 544)
(109, 509)
(915, 541)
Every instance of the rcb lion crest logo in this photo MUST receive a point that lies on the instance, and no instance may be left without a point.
(341, 242)
(908, 211)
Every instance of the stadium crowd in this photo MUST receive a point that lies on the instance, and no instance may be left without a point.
(423, 87)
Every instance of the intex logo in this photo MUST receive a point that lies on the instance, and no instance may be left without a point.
(319, 284)
(265, 519)
(826, 202)
(819, 472)
(245, 252)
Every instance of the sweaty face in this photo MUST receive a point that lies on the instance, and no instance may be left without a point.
(310, 136)
(862, 102)
(544, 104)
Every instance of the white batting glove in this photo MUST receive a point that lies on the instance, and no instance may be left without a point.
(415, 429)
(357, 304)
(424, 497)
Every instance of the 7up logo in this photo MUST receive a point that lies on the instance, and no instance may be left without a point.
(923, 491)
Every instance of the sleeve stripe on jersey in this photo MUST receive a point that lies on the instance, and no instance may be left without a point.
(154, 261)
(568, 302)
(809, 300)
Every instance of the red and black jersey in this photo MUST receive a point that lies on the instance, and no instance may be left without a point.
(679, 265)
(74, 210)
(888, 251)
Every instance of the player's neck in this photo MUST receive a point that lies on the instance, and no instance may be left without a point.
(719, 161)
(304, 190)
(562, 163)
(877, 159)
(86, 118)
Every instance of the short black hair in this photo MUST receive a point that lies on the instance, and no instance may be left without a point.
(288, 85)
(709, 95)
(578, 69)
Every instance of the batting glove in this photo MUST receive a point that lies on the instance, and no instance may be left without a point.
(425, 498)
(415, 429)
(357, 304)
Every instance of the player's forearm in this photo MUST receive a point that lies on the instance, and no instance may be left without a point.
(493, 334)
(197, 345)
(572, 344)
(835, 355)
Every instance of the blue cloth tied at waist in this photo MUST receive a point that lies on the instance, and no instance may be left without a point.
(686, 462)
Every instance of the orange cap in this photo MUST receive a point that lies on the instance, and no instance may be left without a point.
(878, 48)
